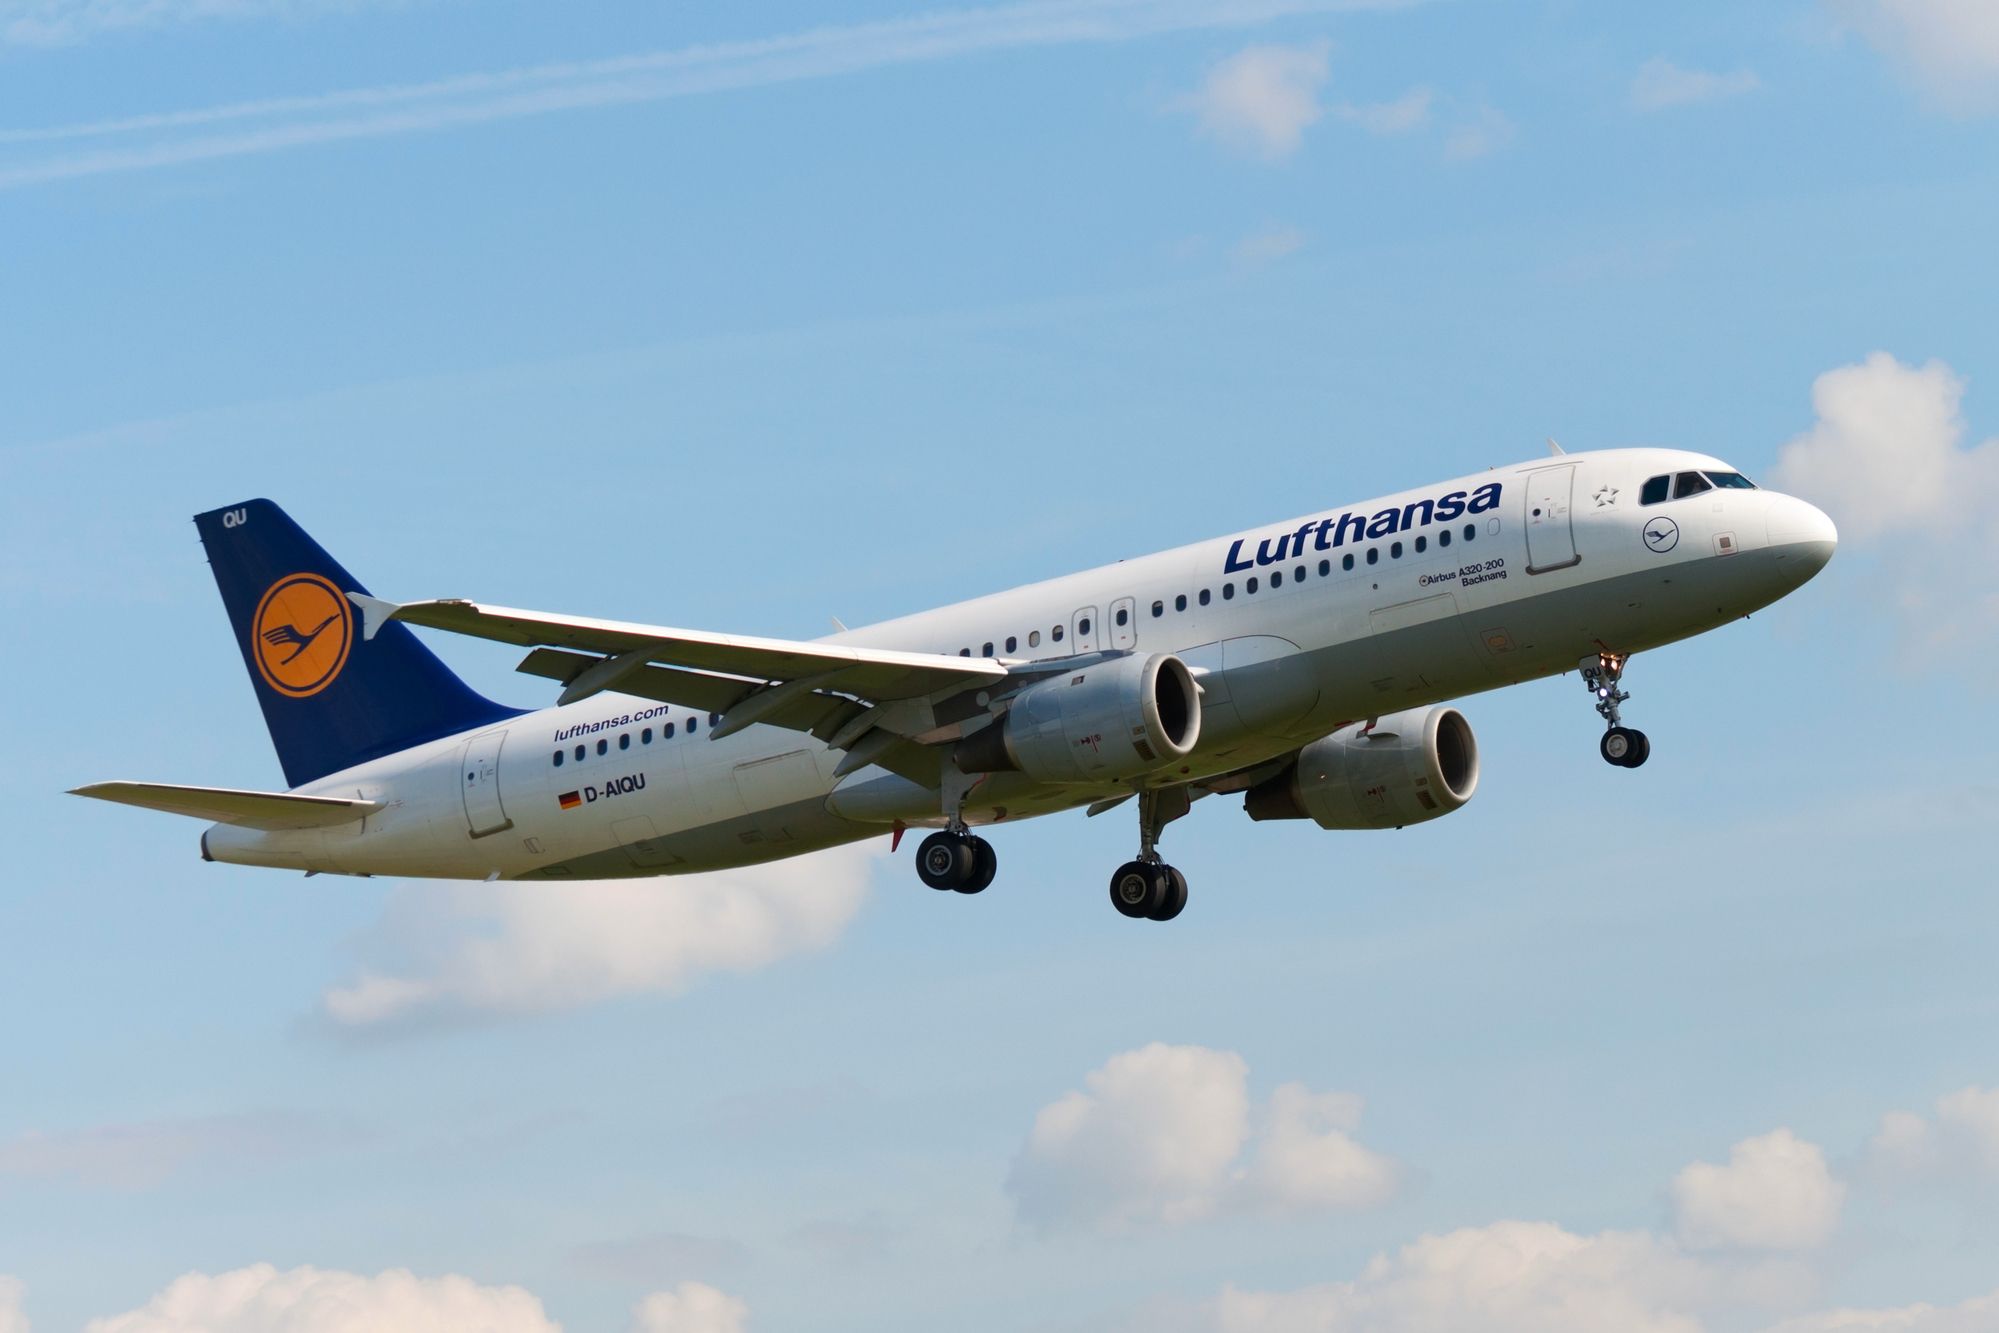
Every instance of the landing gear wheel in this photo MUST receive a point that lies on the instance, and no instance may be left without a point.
(1624, 747)
(985, 864)
(946, 860)
(1139, 888)
(1176, 896)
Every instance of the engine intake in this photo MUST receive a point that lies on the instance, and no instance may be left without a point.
(1105, 722)
(1407, 768)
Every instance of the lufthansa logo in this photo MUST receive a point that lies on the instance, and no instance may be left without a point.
(1662, 535)
(302, 632)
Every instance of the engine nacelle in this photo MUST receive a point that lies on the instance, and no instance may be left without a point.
(1105, 722)
(1406, 768)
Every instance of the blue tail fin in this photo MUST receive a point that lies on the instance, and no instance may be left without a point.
(330, 698)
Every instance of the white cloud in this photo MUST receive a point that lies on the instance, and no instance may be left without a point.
(692, 1307)
(1262, 99)
(1775, 1194)
(1961, 1139)
(1411, 111)
(141, 1154)
(1950, 48)
(480, 950)
(1307, 1157)
(1157, 1135)
(1509, 1277)
(1889, 459)
(261, 1299)
(272, 125)
(1887, 454)
(1268, 245)
(12, 1319)
(1488, 132)
(1660, 84)
(1978, 1315)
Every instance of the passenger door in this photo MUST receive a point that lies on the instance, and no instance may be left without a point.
(479, 761)
(1551, 540)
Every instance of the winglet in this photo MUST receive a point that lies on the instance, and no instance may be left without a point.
(375, 612)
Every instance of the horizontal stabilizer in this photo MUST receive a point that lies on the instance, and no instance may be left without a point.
(272, 810)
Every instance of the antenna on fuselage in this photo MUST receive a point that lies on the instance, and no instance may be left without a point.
(1555, 449)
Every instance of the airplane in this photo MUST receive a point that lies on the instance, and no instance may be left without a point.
(1305, 666)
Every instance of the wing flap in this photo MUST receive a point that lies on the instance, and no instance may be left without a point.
(271, 810)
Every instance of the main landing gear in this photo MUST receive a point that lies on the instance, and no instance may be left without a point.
(1623, 746)
(956, 859)
(1148, 889)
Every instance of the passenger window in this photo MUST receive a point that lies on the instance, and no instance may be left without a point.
(1654, 490)
(579, 754)
(666, 732)
(603, 747)
(1034, 638)
(1158, 610)
(1123, 617)
(1471, 531)
(1012, 643)
(645, 737)
(1180, 602)
(558, 759)
(693, 725)
(1252, 584)
(1228, 592)
(1325, 568)
(1689, 483)
(987, 651)
(1374, 555)
(1056, 634)
(1298, 574)
(625, 741)
(1444, 537)
(1204, 597)
(1395, 550)
(1276, 579)
(964, 652)
(1422, 544)
(1346, 561)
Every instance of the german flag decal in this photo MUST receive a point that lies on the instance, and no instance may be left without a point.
(569, 800)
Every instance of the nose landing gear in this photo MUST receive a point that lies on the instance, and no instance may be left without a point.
(1623, 746)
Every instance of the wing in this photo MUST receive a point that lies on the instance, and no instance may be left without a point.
(880, 705)
(225, 805)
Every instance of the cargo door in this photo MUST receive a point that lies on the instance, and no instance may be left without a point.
(479, 761)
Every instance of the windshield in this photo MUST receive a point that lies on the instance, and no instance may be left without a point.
(1731, 481)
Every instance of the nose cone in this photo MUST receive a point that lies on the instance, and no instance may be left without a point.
(1801, 535)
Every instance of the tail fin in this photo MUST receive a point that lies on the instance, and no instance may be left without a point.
(330, 698)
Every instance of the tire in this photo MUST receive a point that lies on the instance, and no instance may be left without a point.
(1617, 746)
(1640, 752)
(1175, 899)
(1136, 890)
(985, 865)
(945, 860)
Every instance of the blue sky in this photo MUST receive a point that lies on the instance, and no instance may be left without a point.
(742, 319)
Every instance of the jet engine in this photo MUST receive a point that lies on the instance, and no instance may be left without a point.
(1108, 721)
(1401, 769)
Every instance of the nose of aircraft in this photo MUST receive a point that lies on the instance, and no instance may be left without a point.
(1800, 534)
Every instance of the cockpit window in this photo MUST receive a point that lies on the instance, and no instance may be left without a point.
(1655, 490)
(1731, 481)
(1690, 483)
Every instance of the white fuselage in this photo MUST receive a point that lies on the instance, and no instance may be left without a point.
(1285, 650)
